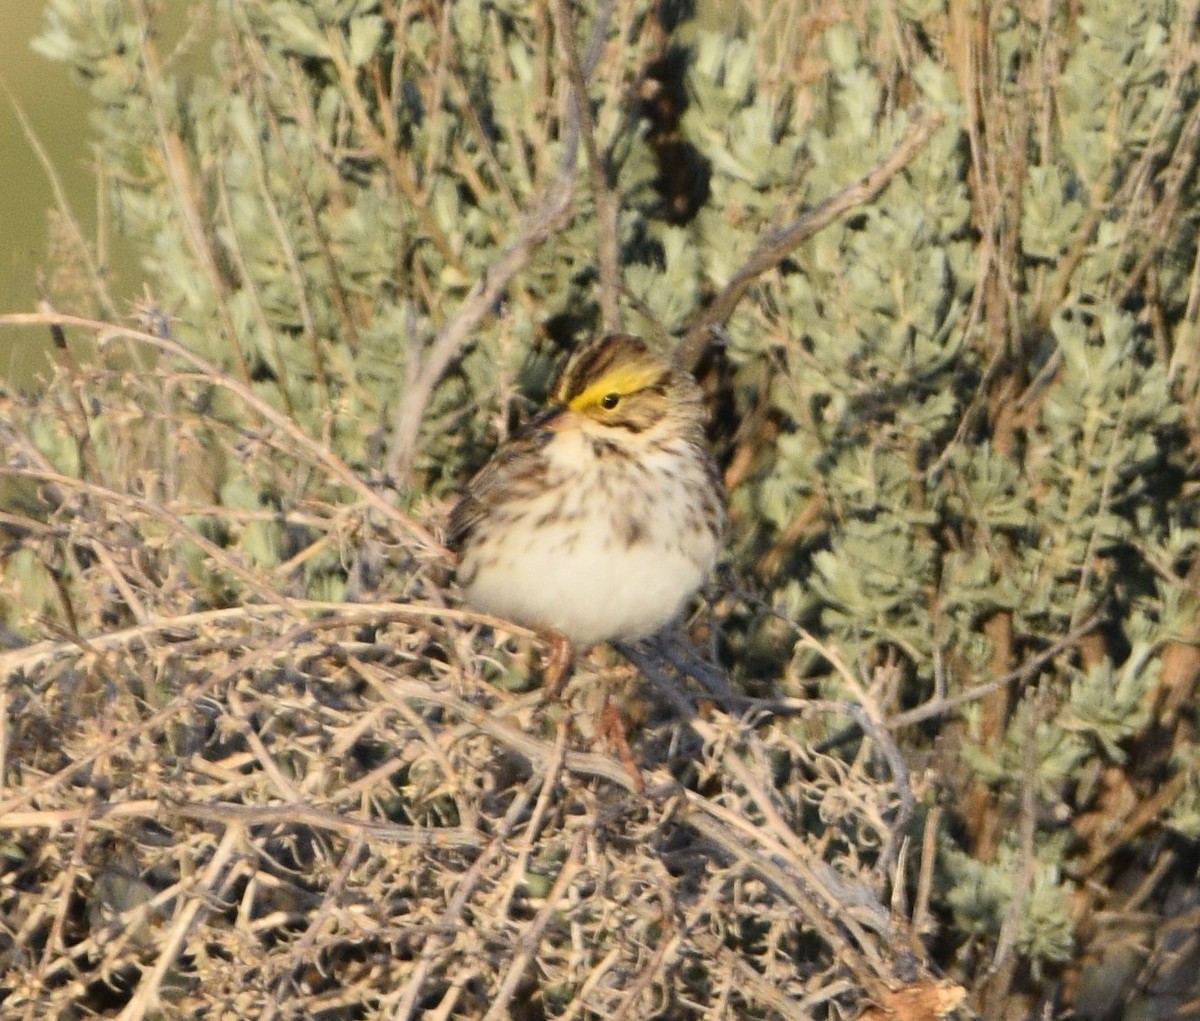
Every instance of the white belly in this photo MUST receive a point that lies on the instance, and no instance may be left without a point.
(592, 592)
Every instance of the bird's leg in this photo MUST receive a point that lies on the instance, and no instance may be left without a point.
(612, 723)
(612, 727)
(558, 666)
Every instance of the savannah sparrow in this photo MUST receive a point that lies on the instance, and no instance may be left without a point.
(603, 516)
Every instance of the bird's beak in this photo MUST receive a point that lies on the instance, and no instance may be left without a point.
(552, 420)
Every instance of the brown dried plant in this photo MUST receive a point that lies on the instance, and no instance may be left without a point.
(222, 797)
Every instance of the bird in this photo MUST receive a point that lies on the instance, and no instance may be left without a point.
(601, 518)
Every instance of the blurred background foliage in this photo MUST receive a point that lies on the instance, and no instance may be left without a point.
(56, 109)
(959, 426)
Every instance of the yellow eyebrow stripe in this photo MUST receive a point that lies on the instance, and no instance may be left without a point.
(625, 380)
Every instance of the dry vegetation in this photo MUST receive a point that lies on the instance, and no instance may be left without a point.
(300, 809)
(927, 748)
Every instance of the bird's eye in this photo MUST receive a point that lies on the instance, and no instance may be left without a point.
(610, 401)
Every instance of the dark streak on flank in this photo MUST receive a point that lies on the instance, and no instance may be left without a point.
(632, 529)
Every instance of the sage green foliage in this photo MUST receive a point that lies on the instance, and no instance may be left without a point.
(307, 236)
(870, 359)
(350, 186)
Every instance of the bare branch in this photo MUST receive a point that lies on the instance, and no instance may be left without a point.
(602, 193)
(184, 190)
(84, 250)
(777, 245)
(547, 214)
(320, 453)
(146, 1000)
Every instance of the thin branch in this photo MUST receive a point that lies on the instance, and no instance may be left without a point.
(602, 194)
(146, 999)
(128, 736)
(282, 367)
(450, 919)
(336, 467)
(548, 214)
(183, 186)
(820, 894)
(1021, 675)
(541, 754)
(99, 284)
(220, 556)
(533, 932)
(306, 949)
(170, 629)
(1005, 959)
(228, 814)
(400, 172)
(777, 245)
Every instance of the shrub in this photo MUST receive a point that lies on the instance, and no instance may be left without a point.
(258, 760)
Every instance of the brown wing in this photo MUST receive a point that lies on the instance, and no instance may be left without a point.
(467, 513)
(513, 470)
